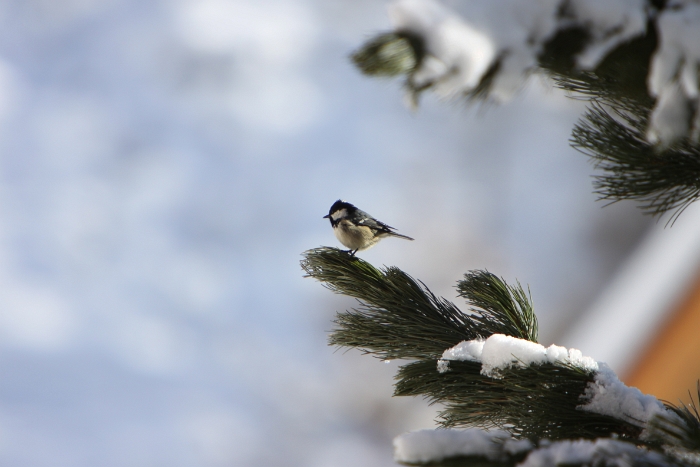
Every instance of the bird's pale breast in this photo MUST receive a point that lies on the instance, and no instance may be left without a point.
(355, 237)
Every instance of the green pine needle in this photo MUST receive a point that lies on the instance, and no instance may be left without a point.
(399, 317)
(612, 133)
(499, 306)
(633, 169)
(538, 401)
(680, 426)
(389, 54)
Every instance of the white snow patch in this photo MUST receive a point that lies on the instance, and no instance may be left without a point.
(434, 445)
(443, 366)
(670, 119)
(673, 78)
(500, 351)
(425, 446)
(610, 23)
(513, 447)
(459, 53)
(609, 396)
(584, 452)
(465, 350)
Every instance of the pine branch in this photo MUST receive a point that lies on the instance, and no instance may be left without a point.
(680, 427)
(499, 307)
(400, 317)
(539, 401)
(614, 139)
(613, 132)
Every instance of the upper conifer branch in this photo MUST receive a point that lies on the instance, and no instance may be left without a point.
(637, 65)
(389, 54)
(632, 168)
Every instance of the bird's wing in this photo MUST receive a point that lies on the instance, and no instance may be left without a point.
(374, 224)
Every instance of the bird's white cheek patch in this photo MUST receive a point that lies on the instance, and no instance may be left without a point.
(339, 214)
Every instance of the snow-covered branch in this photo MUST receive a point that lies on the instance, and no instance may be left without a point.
(488, 372)
(489, 47)
(479, 447)
(605, 395)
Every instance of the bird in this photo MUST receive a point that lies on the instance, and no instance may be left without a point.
(356, 229)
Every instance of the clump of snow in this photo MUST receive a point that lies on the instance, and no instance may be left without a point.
(670, 119)
(462, 49)
(673, 78)
(465, 350)
(459, 53)
(513, 447)
(609, 23)
(420, 447)
(608, 395)
(443, 366)
(434, 445)
(598, 452)
(500, 351)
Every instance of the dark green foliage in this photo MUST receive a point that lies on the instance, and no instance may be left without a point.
(539, 401)
(633, 169)
(389, 54)
(499, 306)
(612, 133)
(621, 76)
(613, 130)
(400, 317)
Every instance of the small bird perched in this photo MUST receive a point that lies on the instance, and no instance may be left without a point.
(356, 229)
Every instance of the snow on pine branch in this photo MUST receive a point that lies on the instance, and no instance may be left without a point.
(673, 79)
(498, 448)
(500, 351)
(423, 446)
(606, 395)
(499, 41)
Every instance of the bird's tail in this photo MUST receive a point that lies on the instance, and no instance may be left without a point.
(394, 234)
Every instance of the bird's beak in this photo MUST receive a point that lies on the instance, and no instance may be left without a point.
(326, 216)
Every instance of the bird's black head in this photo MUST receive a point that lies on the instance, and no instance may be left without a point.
(339, 210)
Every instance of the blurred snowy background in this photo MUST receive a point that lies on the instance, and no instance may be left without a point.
(163, 163)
